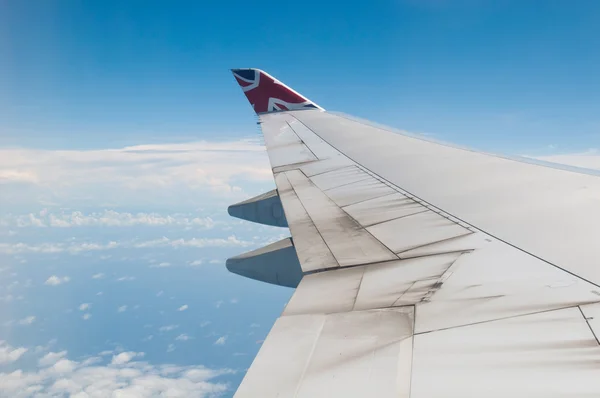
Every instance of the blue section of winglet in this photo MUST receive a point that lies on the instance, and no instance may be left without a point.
(247, 74)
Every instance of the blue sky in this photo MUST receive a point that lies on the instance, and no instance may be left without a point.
(509, 74)
(123, 138)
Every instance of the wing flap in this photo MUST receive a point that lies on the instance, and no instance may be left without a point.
(497, 281)
(548, 354)
(359, 191)
(336, 178)
(372, 286)
(349, 243)
(356, 354)
(411, 231)
(311, 249)
(378, 210)
(322, 166)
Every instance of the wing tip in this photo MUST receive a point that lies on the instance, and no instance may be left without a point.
(267, 94)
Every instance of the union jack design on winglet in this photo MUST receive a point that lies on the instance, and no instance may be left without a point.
(267, 94)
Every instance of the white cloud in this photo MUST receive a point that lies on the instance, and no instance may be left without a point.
(126, 278)
(148, 338)
(183, 337)
(159, 293)
(234, 301)
(183, 307)
(85, 317)
(81, 247)
(221, 340)
(63, 366)
(125, 357)
(12, 175)
(92, 361)
(123, 376)
(589, 159)
(84, 306)
(7, 298)
(9, 354)
(56, 280)
(196, 263)
(27, 320)
(205, 323)
(230, 241)
(171, 348)
(98, 276)
(51, 358)
(164, 264)
(107, 218)
(142, 174)
(122, 308)
(43, 348)
(219, 303)
(167, 328)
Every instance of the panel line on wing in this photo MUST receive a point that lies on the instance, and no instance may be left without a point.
(326, 171)
(362, 278)
(394, 304)
(448, 240)
(418, 201)
(342, 267)
(366, 200)
(587, 320)
(317, 229)
(397, 218)
(340, 177)
(292, 166)
(307, 239)
(548, 354)
(348, 183)
(359, 191)
(348, 241)
(416, 333)
(301, 140)
(310, 355)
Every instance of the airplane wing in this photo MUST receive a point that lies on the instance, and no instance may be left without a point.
(423, 270)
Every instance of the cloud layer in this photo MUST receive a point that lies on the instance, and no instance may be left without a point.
(79, 247)
(142, 174)
(123, 376)
(107, 218)
(54, 280)
(9, 354)
(589, 159)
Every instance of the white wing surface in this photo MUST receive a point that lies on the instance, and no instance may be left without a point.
(424, 270)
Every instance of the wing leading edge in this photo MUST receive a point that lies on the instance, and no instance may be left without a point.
(408, 289)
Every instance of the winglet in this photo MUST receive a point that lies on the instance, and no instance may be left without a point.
(267, 94)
